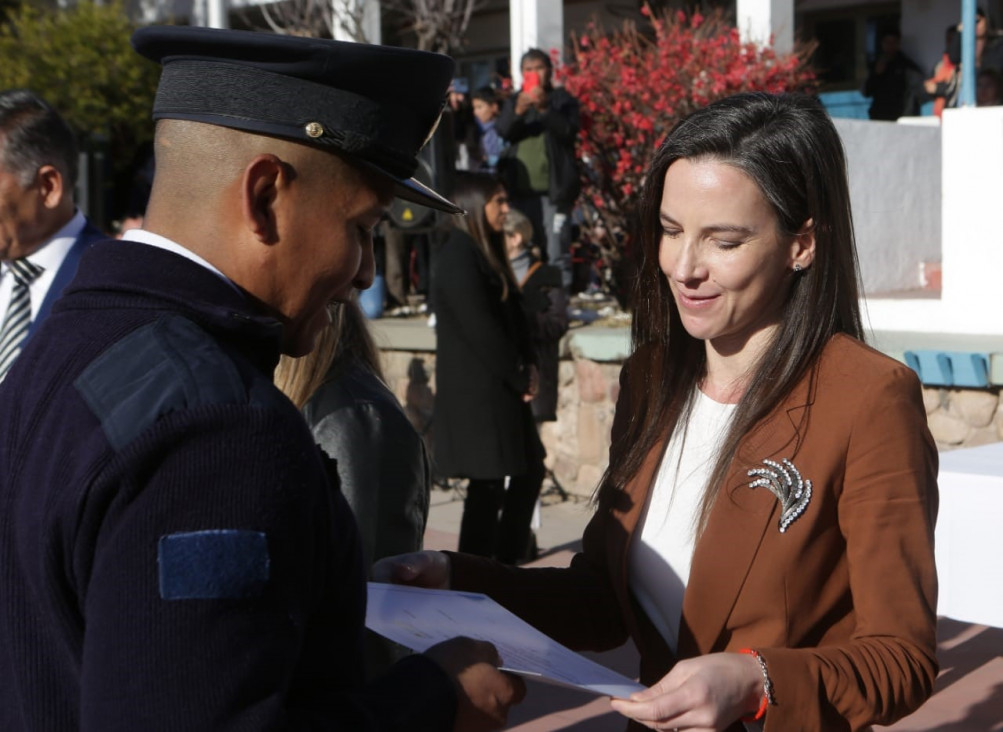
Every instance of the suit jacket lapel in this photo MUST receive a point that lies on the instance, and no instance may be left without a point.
(736, 526)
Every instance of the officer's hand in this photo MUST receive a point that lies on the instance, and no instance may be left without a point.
(419, 569)
(484, 694)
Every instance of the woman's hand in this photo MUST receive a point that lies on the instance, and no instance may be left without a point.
(705, 693)
(420, 569)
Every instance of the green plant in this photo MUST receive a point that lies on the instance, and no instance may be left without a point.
(81, 62)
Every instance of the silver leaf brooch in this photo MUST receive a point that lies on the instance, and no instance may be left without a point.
(784, 481)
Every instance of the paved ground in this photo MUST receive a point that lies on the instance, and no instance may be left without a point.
(968, 696)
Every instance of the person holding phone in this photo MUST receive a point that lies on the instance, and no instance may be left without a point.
(540, 169)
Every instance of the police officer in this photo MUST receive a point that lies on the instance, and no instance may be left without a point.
(174, 552)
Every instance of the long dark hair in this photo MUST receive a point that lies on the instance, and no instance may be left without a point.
(788, 145)
(472, 191)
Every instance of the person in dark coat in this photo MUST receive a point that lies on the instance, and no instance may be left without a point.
(545, 302)
(356, 419)
(175, 552)
(893, 81)
(485, 376)
(540, 168)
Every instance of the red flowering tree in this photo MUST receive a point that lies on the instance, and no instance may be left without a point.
(634, 85)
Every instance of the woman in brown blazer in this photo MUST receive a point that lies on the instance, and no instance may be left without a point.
(764, 531)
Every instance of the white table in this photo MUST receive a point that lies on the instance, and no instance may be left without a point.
(969, 535)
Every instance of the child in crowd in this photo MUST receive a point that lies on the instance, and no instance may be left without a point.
(486, 112)
(545, 302)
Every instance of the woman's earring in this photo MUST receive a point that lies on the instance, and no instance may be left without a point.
(797, 268)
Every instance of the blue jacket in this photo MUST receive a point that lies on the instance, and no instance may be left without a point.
(173, 551)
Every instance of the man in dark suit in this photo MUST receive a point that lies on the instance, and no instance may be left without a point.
(42, 234)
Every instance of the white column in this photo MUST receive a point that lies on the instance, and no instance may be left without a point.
(343, 29)
(216, 15)
(371, 22)
(200, 13)
(534, 24)
(340, 25)
(972, 256)
(760, 19)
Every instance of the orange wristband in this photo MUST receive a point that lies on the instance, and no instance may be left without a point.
(767, 688)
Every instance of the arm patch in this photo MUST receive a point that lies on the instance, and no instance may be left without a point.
(168, 365)
(213, 565)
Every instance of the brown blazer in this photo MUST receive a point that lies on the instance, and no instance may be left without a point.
(842, 605)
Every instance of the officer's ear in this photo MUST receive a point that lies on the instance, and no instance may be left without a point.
(259, 186)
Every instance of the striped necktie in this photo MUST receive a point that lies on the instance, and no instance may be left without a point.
(18, 317)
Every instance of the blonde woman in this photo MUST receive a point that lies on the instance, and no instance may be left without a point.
(359, 422)
(381, 461)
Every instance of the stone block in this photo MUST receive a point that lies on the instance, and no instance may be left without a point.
(566, 468)
(548, 460)
(611, 371)
(565, 372)
(550, 432)
(588, 479)
(592, 385)
(564, 432)
(932, 398)
(982, 436)
(947, 429)
(593, 433)
(975, 408)
(550, 436)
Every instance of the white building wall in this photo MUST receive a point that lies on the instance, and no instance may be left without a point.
(972, 178)
(895, 175)
(759, 21)
(534, 24)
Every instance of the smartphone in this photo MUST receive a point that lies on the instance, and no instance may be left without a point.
(530, 80)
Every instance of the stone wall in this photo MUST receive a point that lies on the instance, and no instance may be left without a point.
(578, 443)
(964, 417)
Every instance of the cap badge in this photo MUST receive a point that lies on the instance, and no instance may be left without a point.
(314, 129)
(784, 481)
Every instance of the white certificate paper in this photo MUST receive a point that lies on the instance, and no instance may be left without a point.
(418, 619)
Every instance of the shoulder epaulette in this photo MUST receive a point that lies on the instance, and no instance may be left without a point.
(166, 366)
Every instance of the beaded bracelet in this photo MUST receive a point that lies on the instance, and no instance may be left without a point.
(767, 687)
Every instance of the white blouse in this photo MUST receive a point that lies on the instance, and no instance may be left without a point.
(658, 561)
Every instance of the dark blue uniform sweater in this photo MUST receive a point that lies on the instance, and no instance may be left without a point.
(173, 554)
